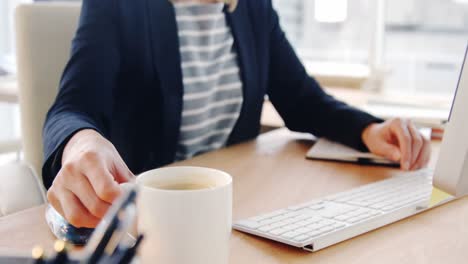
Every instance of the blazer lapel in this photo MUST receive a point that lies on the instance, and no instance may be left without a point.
(166, 60)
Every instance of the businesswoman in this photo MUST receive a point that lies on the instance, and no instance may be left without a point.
(150, 82)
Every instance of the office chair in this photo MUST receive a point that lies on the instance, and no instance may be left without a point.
(44, 32)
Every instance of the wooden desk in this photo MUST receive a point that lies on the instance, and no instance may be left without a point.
(272, 173)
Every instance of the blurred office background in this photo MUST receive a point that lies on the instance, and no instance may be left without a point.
(401, 47)
(419, 51)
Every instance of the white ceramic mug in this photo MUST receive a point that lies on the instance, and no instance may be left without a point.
(185, 226)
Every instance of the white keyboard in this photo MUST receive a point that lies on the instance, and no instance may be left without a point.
(320, 223)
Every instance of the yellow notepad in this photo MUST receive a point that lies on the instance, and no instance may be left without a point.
(438, 196)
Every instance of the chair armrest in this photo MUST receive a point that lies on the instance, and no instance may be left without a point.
(20, 188)
(10, 146)
(8, 90)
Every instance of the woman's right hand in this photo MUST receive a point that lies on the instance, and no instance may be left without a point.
(89, 179)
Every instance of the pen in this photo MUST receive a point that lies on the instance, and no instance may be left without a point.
(369, 161)
(108, 230)
(98, 253)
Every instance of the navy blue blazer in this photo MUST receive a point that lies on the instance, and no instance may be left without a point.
(124, 80)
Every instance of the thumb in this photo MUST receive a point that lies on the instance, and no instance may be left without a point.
(390, 152)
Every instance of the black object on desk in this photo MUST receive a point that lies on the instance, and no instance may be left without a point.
(64, 230)
(105, 246)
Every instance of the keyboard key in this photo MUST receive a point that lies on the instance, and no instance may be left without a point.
(358, 218)
(389, 207)
(374, 213)
(327, 229)
(317, 206)
(301, 238)
(266, 228)
(278, 231)
(290, 221)
(326, 222)
(361, 211)
(338, 225)
(365, 216)
(279, 224)
(267, 222)
(268, 216)
(360, 203)
(330, 213)
(373, 203)
(305, 211)
(249, 224)
(279, 217)
(343, 217)
(302, 217)
(292, 214)
(350, 208)
(290, 234)
(354, 220)
(358, 212)
(314, 219)
(303, 230)
(335, 209)
(315, 226)
(315, 233)
(351, 214)
(302, 223)
(291, 227)
(309, 221)
(404, 202)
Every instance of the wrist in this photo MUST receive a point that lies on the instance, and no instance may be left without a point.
(75, 140)
(367, 132)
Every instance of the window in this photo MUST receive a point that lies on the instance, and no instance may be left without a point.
(9, 113)
(414, 46)
(4, 34)
(425, 43)
(7, 7)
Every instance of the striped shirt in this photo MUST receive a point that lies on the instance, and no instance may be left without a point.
(212, 84)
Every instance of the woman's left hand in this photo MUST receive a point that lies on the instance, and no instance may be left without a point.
(398, 140)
